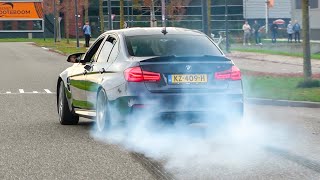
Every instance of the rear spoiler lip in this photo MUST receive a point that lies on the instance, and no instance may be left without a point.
(178, 58)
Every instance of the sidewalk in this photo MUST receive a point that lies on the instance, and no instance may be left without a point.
(271, 63)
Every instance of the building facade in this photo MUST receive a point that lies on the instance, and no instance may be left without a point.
(139, 16)
(283, 9)
(314, 15)
(256, 9)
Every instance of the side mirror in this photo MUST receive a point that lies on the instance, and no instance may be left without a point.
(75, 58)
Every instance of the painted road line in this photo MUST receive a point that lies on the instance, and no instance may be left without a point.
(22, 91)
(26, 93)
(48, 91)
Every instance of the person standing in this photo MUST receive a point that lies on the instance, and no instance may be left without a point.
(296, 29)
(87, 33)
(274, 30)
(290, 32)
(125, 25)
(246, 33)
(257, 28)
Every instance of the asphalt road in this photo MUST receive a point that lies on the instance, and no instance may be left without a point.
(274, 143)
(33, 145)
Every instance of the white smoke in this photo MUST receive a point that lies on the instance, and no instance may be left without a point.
(197, 150)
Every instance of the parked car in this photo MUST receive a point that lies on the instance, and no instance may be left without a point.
(172, 70)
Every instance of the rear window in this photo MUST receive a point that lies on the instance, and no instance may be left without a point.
(171, 45)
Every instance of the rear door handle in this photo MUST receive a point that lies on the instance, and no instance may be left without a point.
(85, 72)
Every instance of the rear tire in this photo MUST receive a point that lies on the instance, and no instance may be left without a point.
(103, 112)
(66, 117)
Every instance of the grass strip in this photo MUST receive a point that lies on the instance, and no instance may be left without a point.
(63, 46)
(284, 88)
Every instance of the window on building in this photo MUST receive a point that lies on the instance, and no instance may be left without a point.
(22, 25)
(298, 4)
(191, 18)
(312, 3)
(7, 25)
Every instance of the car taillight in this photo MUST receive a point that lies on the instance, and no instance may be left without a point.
(135, 74)
(231, 74)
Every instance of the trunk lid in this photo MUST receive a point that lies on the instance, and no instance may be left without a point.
(186, 74)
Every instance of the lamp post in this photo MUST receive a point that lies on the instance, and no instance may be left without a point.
(109, 15)
(54, 21)
(131, 13)
(226, 26)
(152, 15)
(76, 24)
(205, 17)
(267, 16)
(59, 29)
(163, 12)
(128, 17)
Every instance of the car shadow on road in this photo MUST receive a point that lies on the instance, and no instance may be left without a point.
(87, 125)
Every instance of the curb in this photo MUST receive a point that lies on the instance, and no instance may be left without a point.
(50, 49)
(274, 102)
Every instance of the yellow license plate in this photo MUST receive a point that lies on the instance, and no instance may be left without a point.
(187, 78)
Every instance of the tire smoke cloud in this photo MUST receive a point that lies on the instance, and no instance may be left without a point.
(205, 149)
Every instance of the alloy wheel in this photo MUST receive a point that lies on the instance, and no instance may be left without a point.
(101, 111)
(60, 104)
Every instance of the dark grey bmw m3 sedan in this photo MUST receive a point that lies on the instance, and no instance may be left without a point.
(163, 71)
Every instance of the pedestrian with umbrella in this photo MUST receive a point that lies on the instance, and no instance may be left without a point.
(274, 30)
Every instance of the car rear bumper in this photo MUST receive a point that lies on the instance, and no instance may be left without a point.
(185, 103)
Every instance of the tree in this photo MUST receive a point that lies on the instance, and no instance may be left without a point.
(306, 41)
(67, 8)
(48, 6)
(121, 14)
(67, 21)
(174, 9)
(57, 23)
(101, 17)
(177, 8)
(147, 3)
(86, 10)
